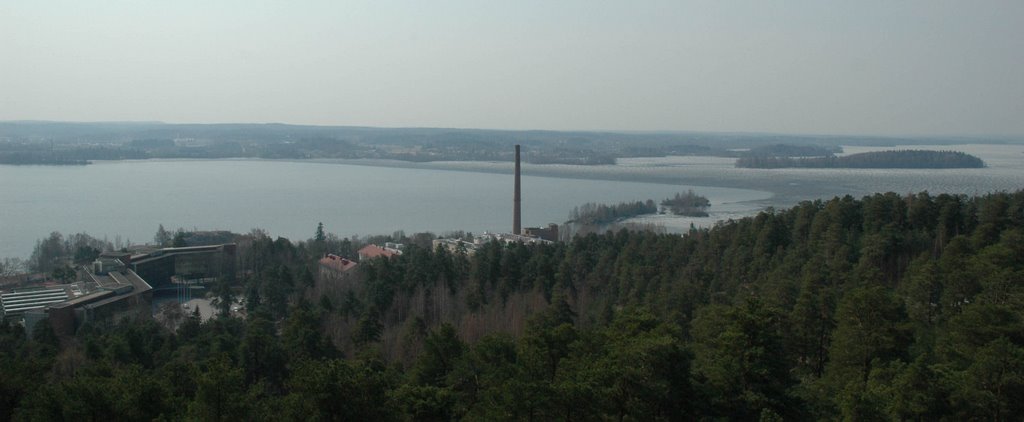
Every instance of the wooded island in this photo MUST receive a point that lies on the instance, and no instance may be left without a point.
(908, 159)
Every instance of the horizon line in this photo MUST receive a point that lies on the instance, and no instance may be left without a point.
(616, 131)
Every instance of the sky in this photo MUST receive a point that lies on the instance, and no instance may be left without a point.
(867, 67)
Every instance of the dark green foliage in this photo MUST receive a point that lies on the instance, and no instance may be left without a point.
(643, 372)
(277, 286)
(64, 274)
(741, 361)
(261, 353)
(85, 254)
(784, 150)
(442, 348)
(301, 335)
(885, 308)
(21, 362)
(320, 236)
(179, 240)
(336, 390)
(916, 159)
(993, 383)
(369, 327)
(870, 331)
(591, 214)
(224, 296)
(688, 204)
(220, 392)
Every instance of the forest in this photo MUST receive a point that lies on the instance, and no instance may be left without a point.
(38, 158)
(41, 142)
(786, 150)
(888, 307)
(910, 159)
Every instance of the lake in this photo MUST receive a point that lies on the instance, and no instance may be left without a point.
(1004, 172)
(127, 200)
(288, 198)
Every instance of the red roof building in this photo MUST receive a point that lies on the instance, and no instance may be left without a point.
(373, 251)
(334, 266)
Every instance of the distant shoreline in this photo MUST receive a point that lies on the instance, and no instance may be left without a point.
(898, 159)
(784, 188)
(776, 188)
(774, 197)
(44, 162)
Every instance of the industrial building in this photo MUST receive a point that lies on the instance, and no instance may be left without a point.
(549, 233)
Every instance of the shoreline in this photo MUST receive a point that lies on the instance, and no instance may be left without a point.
(758, 189)
(663, 175)
(216, 194)
(784, 187)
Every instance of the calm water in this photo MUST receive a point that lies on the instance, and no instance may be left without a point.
(1005, 172)
(131, 198)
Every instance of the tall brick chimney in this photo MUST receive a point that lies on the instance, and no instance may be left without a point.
(517, 226)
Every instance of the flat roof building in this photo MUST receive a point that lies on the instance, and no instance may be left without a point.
(549, 233)
(117, 286)
(456, 246)
(17, 302)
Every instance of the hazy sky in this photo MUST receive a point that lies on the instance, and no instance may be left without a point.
(844, 67)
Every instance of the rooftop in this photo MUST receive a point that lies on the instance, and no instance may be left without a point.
(337, 263)
(96, 290)
(373, 251)
(160, 253)
(509, 238)
(17, 302)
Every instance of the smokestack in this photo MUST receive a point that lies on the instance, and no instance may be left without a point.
(516, 211)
